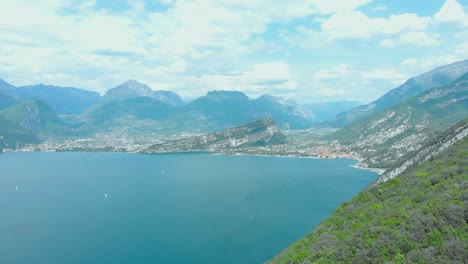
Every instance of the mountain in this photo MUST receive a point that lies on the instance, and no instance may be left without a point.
(6, 101)
(388, 135)
(288, 112)
(427, 152)
(12, 135)
(11, 91)
(137, 108)
(132, 89)
(440, 76)
(257, 133)
(216, 110)
(33, 116)
(323, 111)
(221, 109)
(64, 100)
(419, 216)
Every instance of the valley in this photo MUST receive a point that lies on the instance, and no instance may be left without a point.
(237, 132)
(132, 117)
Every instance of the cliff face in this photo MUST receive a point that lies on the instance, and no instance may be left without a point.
(259, 132)
(387, 136)
(429, 151)
(33, 116)
(418, 217)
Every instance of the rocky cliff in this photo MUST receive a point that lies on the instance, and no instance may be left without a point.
(418, 217)
(387, 136)
(440, 76)
(429, 151)
(260, 132)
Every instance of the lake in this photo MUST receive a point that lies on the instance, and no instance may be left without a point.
(174, 208)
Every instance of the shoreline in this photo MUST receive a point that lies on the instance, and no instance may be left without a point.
(378, 171)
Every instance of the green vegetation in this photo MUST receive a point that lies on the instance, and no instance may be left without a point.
(34, 116)
(12, 136)
(383, 138)
(6, 101)
(420, 216)
(437, 77)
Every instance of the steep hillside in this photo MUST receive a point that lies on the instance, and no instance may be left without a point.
(142, 114)
(216, 111)
(140, 107)
(259, 132)
(221, 109)
(383, 138)
(12, 135)
(427, 152)
(34, 116)
(288, 113)
(6, 101)
(63, 100)
(440, 76)
(418, 217)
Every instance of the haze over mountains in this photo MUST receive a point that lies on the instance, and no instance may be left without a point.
(46, 112)
(418, 109)
(440, 76)
(384, 137)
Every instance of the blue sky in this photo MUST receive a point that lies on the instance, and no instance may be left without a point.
(309, 50)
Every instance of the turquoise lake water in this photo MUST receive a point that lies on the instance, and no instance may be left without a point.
(176, 208)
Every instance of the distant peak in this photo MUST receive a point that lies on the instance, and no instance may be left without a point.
(3, 82)
(462, 78)
(134, 85)
(228, 94)
(132, 81)
(269, 97)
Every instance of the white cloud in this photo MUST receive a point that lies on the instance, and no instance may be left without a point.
(379, 7)
(352, 82)
(344, 73)
(388, 74)
(200, 45)
(417, 65)
(263, 78)
(269, 71)
(334, 73)
(66, 39)
(452, 12)
(166, 2)
(338, 6)
(357, 25)
(419, 39)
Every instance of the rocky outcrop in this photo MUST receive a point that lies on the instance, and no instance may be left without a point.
(427, 152)
(259, 132)
(440, 76)
(383, 138)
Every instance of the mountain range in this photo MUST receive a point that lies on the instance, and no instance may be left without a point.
(440, 76)
(134, 105)
(414, 213)
(384, 137)
(416, 216)
(405, 116)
